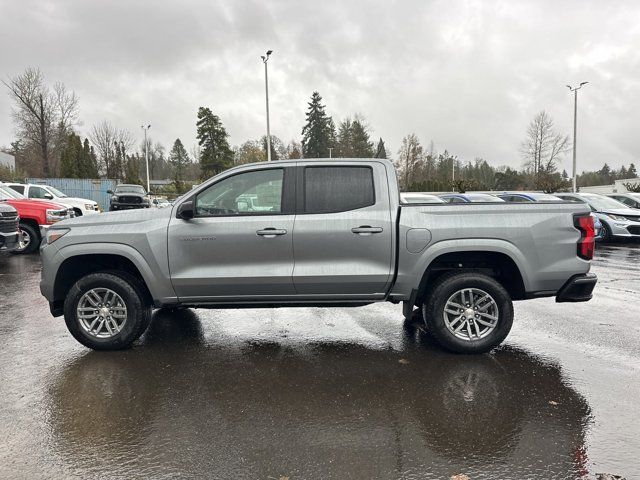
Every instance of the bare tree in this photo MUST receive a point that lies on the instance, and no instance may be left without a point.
(544, 145)
(42, 116)
(107, 139)
(410, 157)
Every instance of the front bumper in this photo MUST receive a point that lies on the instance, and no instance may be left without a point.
(9, 241)
(578, 288)
(127, 206)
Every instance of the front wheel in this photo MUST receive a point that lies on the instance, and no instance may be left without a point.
(468, 312)
(29, 240)
(106, 311)
(606, 233)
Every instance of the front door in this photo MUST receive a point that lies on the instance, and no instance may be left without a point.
(343, 234)
(239, 243)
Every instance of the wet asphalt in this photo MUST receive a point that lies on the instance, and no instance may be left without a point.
(306, 393)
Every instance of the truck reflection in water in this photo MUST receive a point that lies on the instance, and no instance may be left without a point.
(197, 406)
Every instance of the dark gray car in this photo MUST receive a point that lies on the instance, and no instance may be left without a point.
(127, 197)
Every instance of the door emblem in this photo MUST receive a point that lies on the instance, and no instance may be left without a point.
(197, 239)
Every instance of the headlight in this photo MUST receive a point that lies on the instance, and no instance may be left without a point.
(54, 216)
(616, 217)
(114, 198)
(88, 206)
(54, 234)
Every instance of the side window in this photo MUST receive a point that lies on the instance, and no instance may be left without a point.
(456, 200)
(337, 189)
(250, 193)
(518, 199)
(37, 192)
(18, 188)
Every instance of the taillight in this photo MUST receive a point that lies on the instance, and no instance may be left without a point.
(586, 243)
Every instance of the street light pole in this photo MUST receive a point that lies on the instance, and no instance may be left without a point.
(146, 153)
(265, 59)
(575, 128)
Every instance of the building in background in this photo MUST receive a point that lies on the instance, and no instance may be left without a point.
(617, 187)
(7, 160)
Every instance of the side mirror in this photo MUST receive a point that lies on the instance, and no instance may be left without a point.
(110, 192)
(48, 196)
(185, 210)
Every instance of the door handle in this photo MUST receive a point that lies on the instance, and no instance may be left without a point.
(271, 232)
(366, 230)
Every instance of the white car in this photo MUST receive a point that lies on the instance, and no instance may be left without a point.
(418, 197)
(81, 206)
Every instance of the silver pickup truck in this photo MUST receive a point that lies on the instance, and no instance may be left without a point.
(316, 233)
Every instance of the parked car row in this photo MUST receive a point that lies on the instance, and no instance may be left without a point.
(616, 215)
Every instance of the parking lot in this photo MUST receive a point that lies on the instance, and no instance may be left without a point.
(324, 393)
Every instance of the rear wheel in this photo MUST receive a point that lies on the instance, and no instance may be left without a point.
(29, 241)
(468, 312)
(106, 311)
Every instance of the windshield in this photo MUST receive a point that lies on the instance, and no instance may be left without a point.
(604, 203)
(483, 197)
(130, 189)
(7, 193)
(56, 192)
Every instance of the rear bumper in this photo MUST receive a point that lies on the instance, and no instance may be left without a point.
(578, 288)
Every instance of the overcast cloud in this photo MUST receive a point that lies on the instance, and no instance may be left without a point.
(468, 75)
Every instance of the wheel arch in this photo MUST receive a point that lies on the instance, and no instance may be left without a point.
(76, 266)
(496, 264)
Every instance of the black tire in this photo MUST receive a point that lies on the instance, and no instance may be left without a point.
(133, 296)
(78, 212)
(448, 285)
(606, 233)
(34, 239)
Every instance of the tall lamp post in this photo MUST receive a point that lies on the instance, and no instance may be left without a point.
(146, 152)
(575, 126)
(265, 59)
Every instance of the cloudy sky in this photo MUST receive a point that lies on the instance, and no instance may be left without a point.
(468, 75)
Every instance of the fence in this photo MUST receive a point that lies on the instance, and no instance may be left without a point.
(81, 187)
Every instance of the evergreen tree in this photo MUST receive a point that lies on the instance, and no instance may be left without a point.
(381, 151)
(318, 134)
(632, 171)
(70, 157)
(276, 147)
(178, 159)
(360, 142)
(132, 169)
(215, 153)
(345, 140)
(88, 161)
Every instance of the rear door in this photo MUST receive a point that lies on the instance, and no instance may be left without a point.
(343, 232)
(239, 244)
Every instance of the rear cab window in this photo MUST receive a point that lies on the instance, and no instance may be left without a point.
(334, 189)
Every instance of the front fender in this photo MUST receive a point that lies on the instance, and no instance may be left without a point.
(158, 284)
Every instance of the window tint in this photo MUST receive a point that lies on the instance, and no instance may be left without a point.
(18, 188)
(456, 200)
(250, 193)
(37, 192)
(337, 189)
(516, 199)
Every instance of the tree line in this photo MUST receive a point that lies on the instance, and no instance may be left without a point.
(48, 144)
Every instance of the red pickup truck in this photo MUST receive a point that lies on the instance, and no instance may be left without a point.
(35, 217)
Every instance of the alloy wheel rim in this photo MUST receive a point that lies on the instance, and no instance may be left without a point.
(101, 313)
(471, 314)
(24, 240)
